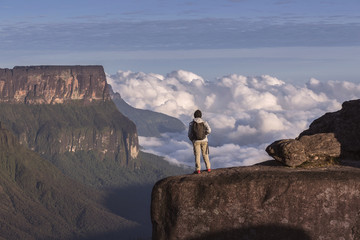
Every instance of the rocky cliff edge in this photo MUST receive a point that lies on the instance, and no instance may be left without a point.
(52, 84)
(259, 202)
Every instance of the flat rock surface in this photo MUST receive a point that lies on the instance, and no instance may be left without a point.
(265, 201)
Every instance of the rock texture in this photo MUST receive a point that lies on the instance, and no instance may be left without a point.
(345, 127)
(259, 202)
(334, 135)
(320, 147)
(52, 84)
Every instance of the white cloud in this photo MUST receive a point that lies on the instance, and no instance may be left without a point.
(242, 131)
(229, 155)
(223, 122)
(245, 113)
(174, 147)
(269, 122)
(336, 90)
(188, 77)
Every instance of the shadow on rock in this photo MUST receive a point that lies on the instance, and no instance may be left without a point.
(268, 232)
(350, 163)
(271, 163)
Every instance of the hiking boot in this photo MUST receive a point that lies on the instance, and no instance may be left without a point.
(197, 172)
(209, 170)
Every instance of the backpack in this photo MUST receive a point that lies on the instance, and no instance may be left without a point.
(198, 131)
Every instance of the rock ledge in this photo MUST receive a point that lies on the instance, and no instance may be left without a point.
(259, 202)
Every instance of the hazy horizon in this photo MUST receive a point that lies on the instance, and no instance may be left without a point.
(291, 40)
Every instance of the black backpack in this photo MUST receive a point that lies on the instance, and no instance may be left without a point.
(198, 131)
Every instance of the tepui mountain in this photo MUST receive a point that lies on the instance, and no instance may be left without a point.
(70, 161)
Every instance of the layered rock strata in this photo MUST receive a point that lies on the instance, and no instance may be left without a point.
(259, 202)
(52, 84)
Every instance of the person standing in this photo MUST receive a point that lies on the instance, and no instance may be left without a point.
(198, 132)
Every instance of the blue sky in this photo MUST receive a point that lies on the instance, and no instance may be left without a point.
(293, 40)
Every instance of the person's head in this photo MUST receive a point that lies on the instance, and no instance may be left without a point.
(197, 114)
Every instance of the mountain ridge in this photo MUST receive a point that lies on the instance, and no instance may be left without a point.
(148, 123)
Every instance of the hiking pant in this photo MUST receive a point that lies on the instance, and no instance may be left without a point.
(203, 147)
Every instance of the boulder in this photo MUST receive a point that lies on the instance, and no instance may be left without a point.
(321, 146)
(317, 148)
(334, 135)
(344, 125)
(290, 152)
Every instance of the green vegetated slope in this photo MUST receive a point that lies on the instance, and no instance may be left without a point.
(59, 128)
(86, 167)
(37, 201)
(148, 123)
(68, 139)
(54, 131)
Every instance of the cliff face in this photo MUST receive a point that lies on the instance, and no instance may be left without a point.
(37, 201)
(52, 84)
(259, 202)
(65, 109)
(72, 128)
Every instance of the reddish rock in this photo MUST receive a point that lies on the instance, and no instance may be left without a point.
(53, 84)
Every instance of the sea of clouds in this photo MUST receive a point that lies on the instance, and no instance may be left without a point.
(246, 114)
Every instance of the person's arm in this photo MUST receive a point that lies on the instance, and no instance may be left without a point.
(208, 129)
